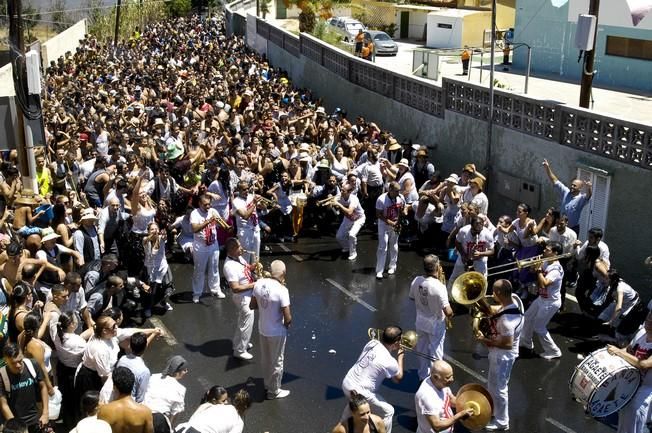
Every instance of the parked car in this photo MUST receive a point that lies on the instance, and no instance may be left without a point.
(347, 27)
(383, 44)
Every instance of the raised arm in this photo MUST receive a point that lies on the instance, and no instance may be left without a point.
(551, 175)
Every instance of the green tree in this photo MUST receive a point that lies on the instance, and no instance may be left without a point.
(58, 16)
(310, 10)
(179, 8)
(31, 17)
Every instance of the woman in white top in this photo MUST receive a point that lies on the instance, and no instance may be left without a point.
(340, 164)
(165, 396)
(159, 276)
(70, 347)
(220, 193)
(217, 415)
(473, 194)
(143, 212)
(406, 181)
(625, 299)
(185, 233)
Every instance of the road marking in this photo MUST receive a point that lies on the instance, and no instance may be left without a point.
(167, 335)
(560, 426)
(287, 250)
(466, 369)
(351, 295)
(571, 298)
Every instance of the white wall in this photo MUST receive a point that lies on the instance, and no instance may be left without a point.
(7, 81)
(417, 23)
(444, 38)
(612, 13)
(68, 40)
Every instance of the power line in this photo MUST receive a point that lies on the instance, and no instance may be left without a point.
(89, 8)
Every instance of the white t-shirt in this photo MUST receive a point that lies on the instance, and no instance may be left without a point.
(216, 418)
(482, 242)
(241, 204)
(480, 199)
(566, 239)
(509, 325)
(554, 273)
(642, 349)
(390, 208)
(374, 365)
(271, 297)
(216, 188)
(165, 395)
(354, 202)
(101, 355)
(429, 400)
(207, 237)
(238, 271)
(430, 297)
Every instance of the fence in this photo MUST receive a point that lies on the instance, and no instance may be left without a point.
(588, 131)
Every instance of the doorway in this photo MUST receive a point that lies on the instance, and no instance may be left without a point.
(405, 25)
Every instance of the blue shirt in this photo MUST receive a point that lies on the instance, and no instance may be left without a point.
(140, 371)
(571, 205)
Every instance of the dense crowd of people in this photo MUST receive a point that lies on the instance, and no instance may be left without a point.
(180, 141)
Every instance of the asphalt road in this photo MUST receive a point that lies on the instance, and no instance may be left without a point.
(334, 302)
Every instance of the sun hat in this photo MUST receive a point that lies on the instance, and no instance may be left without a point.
(48, 234)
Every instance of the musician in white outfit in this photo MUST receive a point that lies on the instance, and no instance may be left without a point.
(354, 218)
(506, 323)
(246, 219)
(474, 244)
(205, 250)
(633, 417)
(389, 207)
(374, 365)
(431, 300)
(549, 279)
(241, 282)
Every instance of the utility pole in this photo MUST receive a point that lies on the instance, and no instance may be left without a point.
(26, 163)
(589, 59)
(490, 120)
(117, 24)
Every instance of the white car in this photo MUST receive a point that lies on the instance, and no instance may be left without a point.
(347, 27)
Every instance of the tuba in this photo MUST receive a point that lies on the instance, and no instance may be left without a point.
(470, 289)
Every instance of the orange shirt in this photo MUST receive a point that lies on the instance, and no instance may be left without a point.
(359, 37)
(466, 55)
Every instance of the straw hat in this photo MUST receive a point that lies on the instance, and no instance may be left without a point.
(393, 144)
(27, 199)
(404, 163)
(48, 234)
(88, 214)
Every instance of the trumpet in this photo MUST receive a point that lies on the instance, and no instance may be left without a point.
(328, 201)
(408, 341)
(526, 263)
(222, 223)
(257, 267)
(268, 203)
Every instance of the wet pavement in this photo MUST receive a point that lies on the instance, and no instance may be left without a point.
(333, 303)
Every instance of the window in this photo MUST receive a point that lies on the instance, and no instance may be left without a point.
(628, 47)
(444, 26)
(595, 212)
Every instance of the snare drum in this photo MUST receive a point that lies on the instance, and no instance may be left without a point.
(604, 383)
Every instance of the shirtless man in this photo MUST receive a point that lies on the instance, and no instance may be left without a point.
(23, 214)
(15, 258)
(124, 414)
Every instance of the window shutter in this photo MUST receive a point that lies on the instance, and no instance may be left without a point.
(595, 212)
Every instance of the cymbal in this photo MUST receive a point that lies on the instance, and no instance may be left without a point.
(477, 397)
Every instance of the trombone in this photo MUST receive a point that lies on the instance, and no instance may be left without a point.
(328, 201)
(408, 341)
(525, 263)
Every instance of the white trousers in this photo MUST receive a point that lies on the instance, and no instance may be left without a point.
(536, 322)
(347, 234)
(431, 343)
(377, 404)
(500, 368)
(250, 241)
(245, 323)
(206, 261)
(272, 351)
(632, 418)
(387, 239)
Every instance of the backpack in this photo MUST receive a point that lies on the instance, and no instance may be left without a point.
(5, 376)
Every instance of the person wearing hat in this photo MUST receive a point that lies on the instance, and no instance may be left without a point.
(165, 396)
(422, 169)
(469, 172)
(451, 197)
(474, 194)
(24, 216)
(51, 251)
(393, 152)
(123, 414)
(85, 238)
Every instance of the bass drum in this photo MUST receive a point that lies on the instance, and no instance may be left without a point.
(604, 383)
